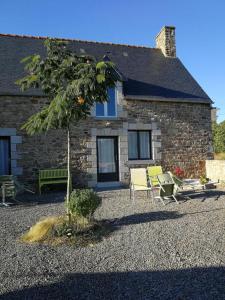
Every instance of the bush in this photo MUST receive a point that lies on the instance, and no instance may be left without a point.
(219, 137)
(41, 230)
(84, 203)
(64, 229)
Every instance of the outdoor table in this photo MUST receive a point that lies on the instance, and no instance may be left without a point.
(194, 187)
(195, 184)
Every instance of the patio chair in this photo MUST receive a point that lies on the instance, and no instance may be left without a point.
(10, 187)
(138, 181)
(153, 172)
(178, 183)
(7, 189)
(22, 187)
(166, 188)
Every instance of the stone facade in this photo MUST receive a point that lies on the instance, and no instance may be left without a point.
(181, 136)
(186, 138)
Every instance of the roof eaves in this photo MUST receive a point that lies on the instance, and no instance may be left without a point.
(163, 99)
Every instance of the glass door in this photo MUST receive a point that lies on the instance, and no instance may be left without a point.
(107, 159)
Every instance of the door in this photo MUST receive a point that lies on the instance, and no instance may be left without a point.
(107, 159)
(4, 155)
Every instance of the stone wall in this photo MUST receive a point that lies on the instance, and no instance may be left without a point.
(186, 138)
(181, 136)
(215, 170)
(34, 152)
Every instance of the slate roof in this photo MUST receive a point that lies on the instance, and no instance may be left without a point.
(149, 74)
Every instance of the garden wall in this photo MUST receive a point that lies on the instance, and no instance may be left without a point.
(215, 169)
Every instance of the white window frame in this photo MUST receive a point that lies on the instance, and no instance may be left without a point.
(106, 108)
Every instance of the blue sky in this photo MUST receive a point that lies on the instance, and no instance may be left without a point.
(200, 29)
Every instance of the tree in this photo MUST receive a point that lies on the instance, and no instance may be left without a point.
(219, 137)
(72, 83)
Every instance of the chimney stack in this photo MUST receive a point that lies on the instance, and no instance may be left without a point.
(165, 41)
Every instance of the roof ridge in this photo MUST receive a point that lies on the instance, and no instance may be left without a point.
(75, 40)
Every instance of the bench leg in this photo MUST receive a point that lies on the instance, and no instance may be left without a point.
(56, 182)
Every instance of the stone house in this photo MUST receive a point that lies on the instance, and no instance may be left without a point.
(158, 115)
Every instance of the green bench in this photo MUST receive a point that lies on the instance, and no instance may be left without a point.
(52, 176)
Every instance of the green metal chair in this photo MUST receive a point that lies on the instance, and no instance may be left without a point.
(178, 183)
(166, 188)
(7, 189)
(10, 187)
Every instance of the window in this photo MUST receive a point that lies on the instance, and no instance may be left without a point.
(4, 155)
(139, 144)
(107, 109)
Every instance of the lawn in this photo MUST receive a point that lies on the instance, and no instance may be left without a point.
(154, 252)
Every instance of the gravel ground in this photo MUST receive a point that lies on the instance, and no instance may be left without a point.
(155, 252)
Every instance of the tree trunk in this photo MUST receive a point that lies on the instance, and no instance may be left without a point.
(68, 177)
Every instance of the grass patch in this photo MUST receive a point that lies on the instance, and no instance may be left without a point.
(56, 230)
(220, 156)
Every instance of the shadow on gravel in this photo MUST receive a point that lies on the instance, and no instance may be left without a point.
(50, 197)
(203, 195)
(215, 194)
(204, 211)
(146, 218)
(36, 199)
(195, 283)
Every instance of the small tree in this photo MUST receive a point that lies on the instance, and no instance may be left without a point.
(218, 137)
(72, 83)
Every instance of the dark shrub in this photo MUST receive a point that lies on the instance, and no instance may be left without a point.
(84, 202)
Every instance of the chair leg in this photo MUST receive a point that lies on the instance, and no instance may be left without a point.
(162, 200)
(133, 195)
(175, 199)
(3, 195)
(152, 196)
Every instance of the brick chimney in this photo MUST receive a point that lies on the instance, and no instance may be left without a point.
(166, 41)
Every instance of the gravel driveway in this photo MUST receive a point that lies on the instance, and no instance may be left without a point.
(155, 252)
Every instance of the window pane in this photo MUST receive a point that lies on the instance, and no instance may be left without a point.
(144, 144)
(111, 104)
(4, 156)
(99, 109)
(132, 145)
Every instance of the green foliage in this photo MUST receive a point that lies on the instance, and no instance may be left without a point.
(219, 136)
(72, 84)
(203, 179)
(84, 202)
(64, 77)
(64, 229)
